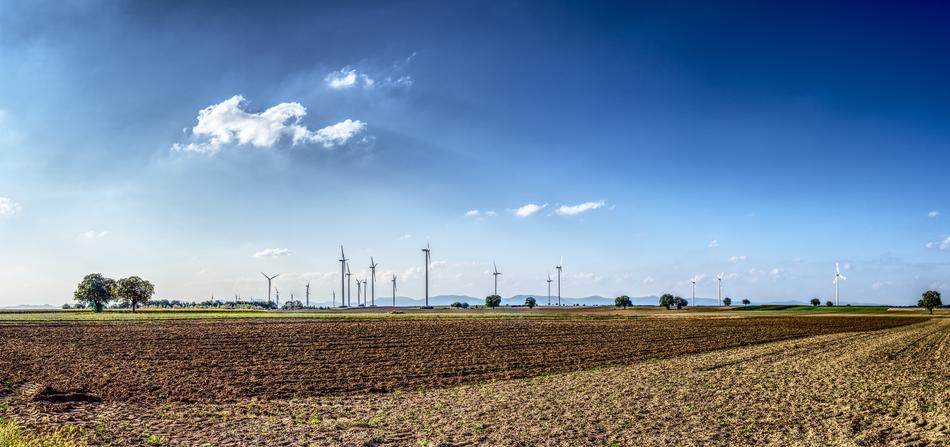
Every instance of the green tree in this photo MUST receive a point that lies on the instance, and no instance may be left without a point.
(530, 302)
(456, 305)
(680, 302)
(727, 301)
(746, 302)
(134, 291)
(815, 302)
(492, 301)
(623, 301)
(829, 303)
(666, 300)
(929, 300)
(95, 291)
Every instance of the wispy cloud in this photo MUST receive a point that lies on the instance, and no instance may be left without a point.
(713, 244)
(571, 210)
(91, 234)
(228, 123)
(472, 213)
(478, 213)
(933, 214)
(737, 258)
(648, 280)
(777, 273)
(8, 207)
(405, 236)
(529, 209)
(272, 253)
(491, 213)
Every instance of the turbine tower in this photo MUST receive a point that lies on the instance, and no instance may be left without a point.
(349, 286)
(308, 293)
(342, 274)
(359, 285)
(549, 288)
(394, 290)
(269, 279)
(372, 270)
(333, 294)
(495, 274)
(558, 267)
(838, 277)
(428, 253)
(719, 277)
(277, 296)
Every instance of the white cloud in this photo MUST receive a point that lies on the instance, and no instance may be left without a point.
(228, 123)
(714, 244)
(648, 280)
(405, 236)
(737, 258)
(347, 78)
(880, 284)
(89, 235)
(8, 207)
(272, 253)
(529, 209)
(777, 273)
(730, 276)
(491, 213)
(472, 213)
(943, 245)
(572, 210)
(933, 214)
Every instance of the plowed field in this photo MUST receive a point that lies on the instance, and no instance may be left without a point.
(231, 360)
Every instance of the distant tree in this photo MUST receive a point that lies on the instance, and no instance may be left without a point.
(492, 301)
(727, 301)
(666, 300)
(530, 302)
(456, 305)
(815, 302)
(623, 301)
(829, 303)
(464, 304)
(929, 300)
(746, 302)
(680, 302)
(95, 291)
(134, 291)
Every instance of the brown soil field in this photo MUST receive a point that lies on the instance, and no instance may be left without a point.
(813, 381)
(225, 360)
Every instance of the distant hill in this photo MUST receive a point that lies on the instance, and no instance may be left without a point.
(29, 307)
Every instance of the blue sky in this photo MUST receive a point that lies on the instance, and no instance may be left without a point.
(197, 144)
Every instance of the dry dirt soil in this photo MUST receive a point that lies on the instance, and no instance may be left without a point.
(581, 381)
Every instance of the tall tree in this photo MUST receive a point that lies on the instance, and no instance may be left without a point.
(666, 300)
(623, 301)
(929, 300)
(492, 301)
(95, 291)
(134, 291)
(530, 302)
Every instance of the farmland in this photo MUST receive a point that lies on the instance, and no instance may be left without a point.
(501, 380)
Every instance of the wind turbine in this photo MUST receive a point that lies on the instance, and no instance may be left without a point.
(308, 293)
(349, 286)
(549, 288)
(333, 294)
(277, 293)
(269, 279)
(428, 253)
(693, 280)
(358, 288)
(372, 270)
(558, 267)
(838, 276)
(495, 274)
(342, 274)
(719, 277)
(394, 290)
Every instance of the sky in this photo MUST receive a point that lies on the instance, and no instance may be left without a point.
(198, 144)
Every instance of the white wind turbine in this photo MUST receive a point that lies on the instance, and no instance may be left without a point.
(694, 291)
(719, 277)
(838, 277)
(495, 273)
